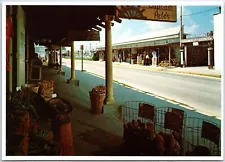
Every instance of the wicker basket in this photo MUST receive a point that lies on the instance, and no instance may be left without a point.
(66, 139)
(34, 87)
(62, 109)
(97, 102)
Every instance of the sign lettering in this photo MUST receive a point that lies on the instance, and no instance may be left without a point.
(161, 15)
(168, 8)
(155, 13)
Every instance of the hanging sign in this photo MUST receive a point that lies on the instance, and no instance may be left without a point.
(155, 13)
(83, 35)
(199, 39)
(195, 43)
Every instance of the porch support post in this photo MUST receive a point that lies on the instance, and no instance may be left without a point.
(60, 60)
(27, 58)
(73, 76)
(130, 54)
(82, 57)
(60, 67)
(72, 62)
(210, 58)
(10, 56)
(185, 54)
(54, 56)
(182, 57)
(169, 56)
(108, 64)
(49, 57)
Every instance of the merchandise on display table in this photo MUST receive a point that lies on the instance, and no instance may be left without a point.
(46, 89)
(34, 87)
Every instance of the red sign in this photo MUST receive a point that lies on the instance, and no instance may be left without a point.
(9, 34)
(146, 111)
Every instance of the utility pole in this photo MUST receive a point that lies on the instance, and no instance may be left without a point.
(81, 49)
(181, 37)
(90, 47)
(169, 56)
(180, 26)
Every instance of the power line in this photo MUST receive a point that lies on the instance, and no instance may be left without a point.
(201, 12)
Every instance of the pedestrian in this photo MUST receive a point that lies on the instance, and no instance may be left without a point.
(120, 58)
(142, 59)
(154, 58)
(114, 58)
(147, 59)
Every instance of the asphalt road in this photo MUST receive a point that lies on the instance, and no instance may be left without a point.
(201, 93)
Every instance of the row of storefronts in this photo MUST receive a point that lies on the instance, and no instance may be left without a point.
(166, 44)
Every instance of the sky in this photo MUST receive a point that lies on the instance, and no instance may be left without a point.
(197, 20)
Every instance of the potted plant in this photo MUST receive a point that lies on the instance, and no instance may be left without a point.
(15, 144)
(42, 143)
(20, 110)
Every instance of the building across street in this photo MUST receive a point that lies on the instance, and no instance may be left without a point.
(197, 51)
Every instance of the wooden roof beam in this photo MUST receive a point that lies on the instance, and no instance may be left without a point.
(118, 20)
(99, 29)
(101, 25)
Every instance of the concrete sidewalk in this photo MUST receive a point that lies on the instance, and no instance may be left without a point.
(102, 134)
(92, 134)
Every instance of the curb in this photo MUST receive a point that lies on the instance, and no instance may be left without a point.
(156, 96)
(173, 71)
(194, 73)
